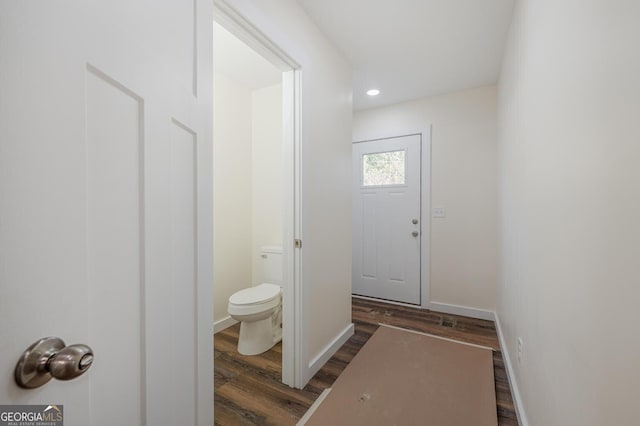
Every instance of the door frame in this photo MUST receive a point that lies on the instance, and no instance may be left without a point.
(293, 327)
(425, 206)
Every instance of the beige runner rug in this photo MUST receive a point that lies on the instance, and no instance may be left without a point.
(401, 377)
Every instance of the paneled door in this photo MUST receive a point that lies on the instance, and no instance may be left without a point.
(105, 215)
(386, 219)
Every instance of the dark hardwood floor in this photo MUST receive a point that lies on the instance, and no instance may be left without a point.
(248, 390)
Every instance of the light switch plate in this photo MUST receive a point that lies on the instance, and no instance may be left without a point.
(439, 212)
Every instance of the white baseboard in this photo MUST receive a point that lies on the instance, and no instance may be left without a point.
(326, 354)
(225, 322)
(522, 417)
(446, 308)
(464, 311)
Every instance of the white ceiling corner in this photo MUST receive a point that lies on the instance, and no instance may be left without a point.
(414, 48)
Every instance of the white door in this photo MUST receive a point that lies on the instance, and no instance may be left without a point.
(386, 245)
(105, 215)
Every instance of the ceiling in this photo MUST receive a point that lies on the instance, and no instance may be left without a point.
(414, 48)
(237, 61)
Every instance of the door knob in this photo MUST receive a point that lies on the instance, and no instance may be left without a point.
(414, 221)
(49, 357)
(414, 233)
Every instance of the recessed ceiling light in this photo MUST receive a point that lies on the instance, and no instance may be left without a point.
(373, 92)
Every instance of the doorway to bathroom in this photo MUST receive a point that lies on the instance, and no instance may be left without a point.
(256, 173)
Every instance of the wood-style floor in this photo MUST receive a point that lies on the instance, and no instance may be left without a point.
(248, 390)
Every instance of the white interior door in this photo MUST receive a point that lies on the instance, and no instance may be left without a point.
(386, 236)
(105, 215)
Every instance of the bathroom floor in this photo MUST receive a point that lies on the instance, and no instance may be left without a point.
(248, 390)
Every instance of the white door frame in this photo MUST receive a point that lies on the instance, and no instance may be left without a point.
(425, 206)
(292, 324)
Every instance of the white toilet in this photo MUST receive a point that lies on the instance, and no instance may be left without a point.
(259, 308)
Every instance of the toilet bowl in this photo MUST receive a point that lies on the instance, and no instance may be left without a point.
(259, 311)
(259, 308)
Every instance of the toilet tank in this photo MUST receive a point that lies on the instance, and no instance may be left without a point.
(271, 264)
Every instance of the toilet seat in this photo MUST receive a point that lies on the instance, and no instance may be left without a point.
(257, 295)
(254, 303)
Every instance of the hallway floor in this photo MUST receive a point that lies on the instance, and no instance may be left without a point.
(248, 390)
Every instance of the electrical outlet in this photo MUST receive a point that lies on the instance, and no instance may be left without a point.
(520, 345)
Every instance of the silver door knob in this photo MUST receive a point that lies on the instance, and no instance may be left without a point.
(414, 221)
(50, 357)
(415, 233)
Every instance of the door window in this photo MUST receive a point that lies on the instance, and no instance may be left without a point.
(383, 168)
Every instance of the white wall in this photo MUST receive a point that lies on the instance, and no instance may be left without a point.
(569, 102)
(232, 215)
(267, 173)
(326, 139)
(463, 268)
(247, 184)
